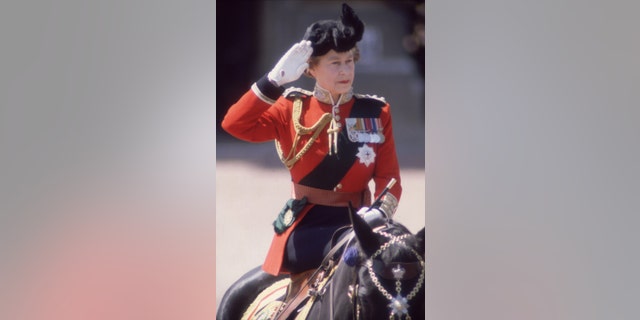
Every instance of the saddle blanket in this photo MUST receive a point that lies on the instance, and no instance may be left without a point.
(267, 302)
(271, 299)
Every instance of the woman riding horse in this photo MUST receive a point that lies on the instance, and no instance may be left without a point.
(333, 141)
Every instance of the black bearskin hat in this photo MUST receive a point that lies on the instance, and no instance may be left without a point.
(340, 35)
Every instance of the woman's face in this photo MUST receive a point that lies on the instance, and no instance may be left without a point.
(335, 72)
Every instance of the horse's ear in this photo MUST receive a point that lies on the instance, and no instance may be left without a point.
(352, 209)
(420, 237)
(365, 236)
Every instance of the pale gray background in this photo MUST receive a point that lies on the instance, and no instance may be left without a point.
(107, 158)
(533, 160)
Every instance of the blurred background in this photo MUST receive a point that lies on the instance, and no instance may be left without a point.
(253, 185)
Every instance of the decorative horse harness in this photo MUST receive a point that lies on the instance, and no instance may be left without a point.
(398, 271)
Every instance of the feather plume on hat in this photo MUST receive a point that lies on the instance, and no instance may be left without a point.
(339, 35)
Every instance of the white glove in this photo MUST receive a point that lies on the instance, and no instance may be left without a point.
(373, 216)
(292, 64)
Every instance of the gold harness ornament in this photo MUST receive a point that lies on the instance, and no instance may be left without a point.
(301, 130)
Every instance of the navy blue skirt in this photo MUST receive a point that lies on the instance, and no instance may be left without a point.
(310, 242)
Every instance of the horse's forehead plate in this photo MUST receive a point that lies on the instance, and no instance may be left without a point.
(398, 272)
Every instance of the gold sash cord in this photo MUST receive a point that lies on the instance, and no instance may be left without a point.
(301, 130)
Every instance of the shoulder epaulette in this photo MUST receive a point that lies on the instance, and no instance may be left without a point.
(295, 92)
(369, 96)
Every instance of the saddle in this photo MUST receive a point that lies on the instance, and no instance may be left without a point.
(270, 303)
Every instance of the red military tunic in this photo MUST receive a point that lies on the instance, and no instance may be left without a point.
(264, 114)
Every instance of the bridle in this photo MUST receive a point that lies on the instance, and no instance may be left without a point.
(399, 305)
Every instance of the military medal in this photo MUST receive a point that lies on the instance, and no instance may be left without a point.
(367, 130)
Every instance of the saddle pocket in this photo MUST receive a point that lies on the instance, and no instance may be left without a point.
(288, 214)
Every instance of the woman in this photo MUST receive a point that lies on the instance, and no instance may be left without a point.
(333, 142)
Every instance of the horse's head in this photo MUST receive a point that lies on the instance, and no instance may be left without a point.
(390, 271)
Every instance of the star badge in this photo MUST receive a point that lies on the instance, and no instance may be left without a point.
(366, 155)
(399, 306)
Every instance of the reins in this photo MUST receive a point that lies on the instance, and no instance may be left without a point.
(326, 269)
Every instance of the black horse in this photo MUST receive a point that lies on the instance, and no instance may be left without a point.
(372, 274)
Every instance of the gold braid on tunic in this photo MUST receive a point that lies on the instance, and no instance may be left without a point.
(301, 130)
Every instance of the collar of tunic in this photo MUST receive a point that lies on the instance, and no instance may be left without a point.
(323, 95)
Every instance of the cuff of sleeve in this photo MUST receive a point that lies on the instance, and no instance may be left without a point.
(267, 90)
(389, 205)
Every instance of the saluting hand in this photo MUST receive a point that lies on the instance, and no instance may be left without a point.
(292, 64)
